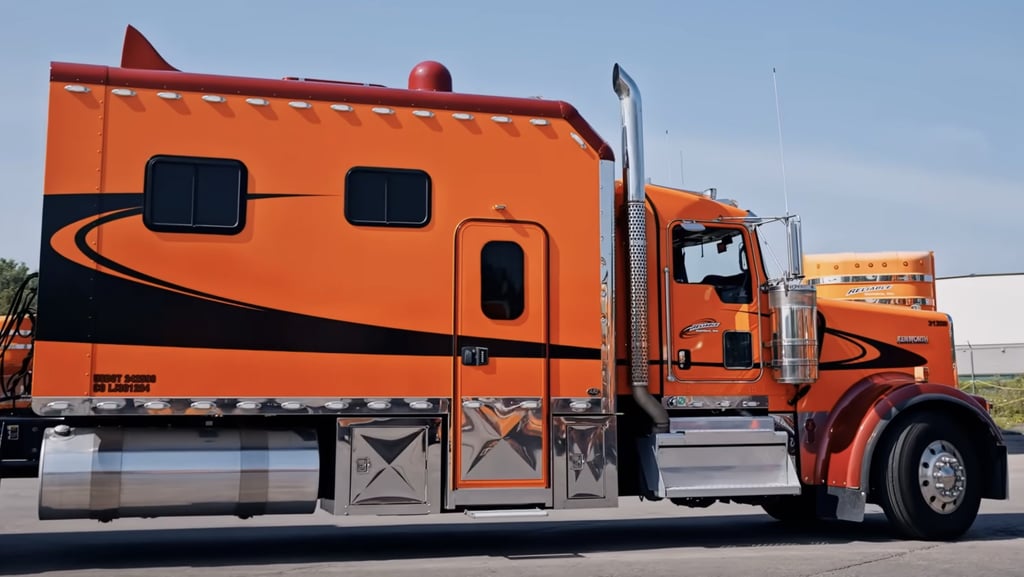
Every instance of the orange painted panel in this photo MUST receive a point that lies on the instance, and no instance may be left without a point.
(273, 374)
(74, 140)
(572, 377)
(61, 369)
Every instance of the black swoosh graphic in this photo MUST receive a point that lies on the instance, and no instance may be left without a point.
(889, 356)
(82, 305)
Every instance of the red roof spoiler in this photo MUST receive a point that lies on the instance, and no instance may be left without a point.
(139, 53)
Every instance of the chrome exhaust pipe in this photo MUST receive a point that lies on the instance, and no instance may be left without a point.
(633, 180)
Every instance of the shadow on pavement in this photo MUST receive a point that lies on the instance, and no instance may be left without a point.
(261, 546)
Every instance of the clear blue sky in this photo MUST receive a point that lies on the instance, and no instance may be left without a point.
(902, 122)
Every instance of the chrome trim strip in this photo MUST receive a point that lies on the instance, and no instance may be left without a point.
(607, 206)
(870, 278)
(706, 402)
(67, 406)
(670, 374)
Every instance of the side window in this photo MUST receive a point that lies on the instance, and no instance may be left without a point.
(387, 197)
(198, 195)
(501, 280)
(716, 257)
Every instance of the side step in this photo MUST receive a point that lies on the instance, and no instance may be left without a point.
(719, 457)
(501, 513)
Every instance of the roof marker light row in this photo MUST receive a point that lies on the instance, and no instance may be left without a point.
(302, 105)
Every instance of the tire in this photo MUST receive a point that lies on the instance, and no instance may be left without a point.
(928, 479)
(794, 509)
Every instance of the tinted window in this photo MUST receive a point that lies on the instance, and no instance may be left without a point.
(501, 280)
(716, 257)
(184, 194)
(387, 197)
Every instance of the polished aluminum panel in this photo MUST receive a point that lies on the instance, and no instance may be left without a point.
(585, 472)
(114, 472)
(719, 457)
(794, 326)
(389, 465)
(502, 439)
(68, 406)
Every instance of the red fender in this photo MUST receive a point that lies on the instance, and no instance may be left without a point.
(861, 416)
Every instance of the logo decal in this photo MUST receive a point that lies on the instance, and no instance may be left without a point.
(701, 326)
(912, 340)
(868, 289)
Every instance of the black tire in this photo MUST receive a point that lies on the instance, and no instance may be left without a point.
(918, 504)
(793, 509)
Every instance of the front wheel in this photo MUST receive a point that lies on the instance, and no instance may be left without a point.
(928, 479)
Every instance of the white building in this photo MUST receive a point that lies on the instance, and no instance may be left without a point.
(988, 324)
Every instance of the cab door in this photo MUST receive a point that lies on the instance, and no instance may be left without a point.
(501, 372)
(714, 319)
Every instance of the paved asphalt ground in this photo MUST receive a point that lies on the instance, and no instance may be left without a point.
(642, 539)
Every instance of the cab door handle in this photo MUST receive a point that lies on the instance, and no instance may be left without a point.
(475, 356)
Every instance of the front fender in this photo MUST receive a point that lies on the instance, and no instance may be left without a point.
(861, 417)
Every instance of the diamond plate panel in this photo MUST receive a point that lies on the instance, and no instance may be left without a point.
(389, 466)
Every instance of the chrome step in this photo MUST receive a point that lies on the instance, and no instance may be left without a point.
(719, 457)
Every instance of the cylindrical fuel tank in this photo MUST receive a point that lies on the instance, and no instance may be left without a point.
(106, 473)
(794, 335)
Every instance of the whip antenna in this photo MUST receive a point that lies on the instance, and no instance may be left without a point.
(782, 156)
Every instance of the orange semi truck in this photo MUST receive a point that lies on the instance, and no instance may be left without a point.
(264, 296)
(904, 278)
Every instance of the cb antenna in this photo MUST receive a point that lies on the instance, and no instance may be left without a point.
(782, 155)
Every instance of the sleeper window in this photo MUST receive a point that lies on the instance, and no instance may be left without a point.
(501, 280)
(387, 197)
(199, 195)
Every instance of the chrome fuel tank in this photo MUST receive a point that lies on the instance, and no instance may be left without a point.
(107, 473)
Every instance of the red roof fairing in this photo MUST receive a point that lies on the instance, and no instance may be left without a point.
(139, 53)
(143, 67)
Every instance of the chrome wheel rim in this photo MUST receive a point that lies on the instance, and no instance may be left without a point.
(941, 477)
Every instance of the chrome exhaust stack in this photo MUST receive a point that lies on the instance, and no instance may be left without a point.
(633, 180)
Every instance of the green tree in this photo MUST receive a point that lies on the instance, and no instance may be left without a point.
(12, 274)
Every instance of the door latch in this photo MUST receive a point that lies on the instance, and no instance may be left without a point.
(475, 356)
(683, 359)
